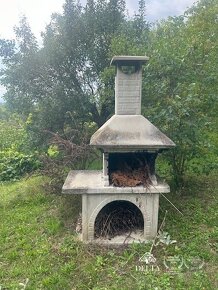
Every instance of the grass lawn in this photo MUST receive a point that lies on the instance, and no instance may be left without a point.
(39, 247)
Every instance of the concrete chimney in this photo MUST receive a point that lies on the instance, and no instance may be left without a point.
(128, 84)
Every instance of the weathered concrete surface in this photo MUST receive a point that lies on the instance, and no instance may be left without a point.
(123, 59)
(128, 93)
(128, 84)
(92, 204)
(91, 182)
(133, 132)
(126, 131)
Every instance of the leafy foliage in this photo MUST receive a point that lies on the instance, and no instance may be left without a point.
(14, 164)
(12, 132)
(180, 86)
(62, 78)
(68, 84)
(16, 158)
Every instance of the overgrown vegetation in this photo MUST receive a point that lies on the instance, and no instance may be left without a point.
(66, 85)
(16, 157)
(39, 246)
(57, 96)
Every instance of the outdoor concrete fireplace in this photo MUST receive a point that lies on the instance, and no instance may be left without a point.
(120, 203)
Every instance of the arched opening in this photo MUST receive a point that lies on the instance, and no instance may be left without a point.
(118, 218)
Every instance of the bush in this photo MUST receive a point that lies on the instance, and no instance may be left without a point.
(14, 164)
(12, 133)
(16, 155)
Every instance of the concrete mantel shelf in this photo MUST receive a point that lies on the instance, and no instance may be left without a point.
(91, 182)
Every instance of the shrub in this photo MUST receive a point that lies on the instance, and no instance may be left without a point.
(14, 164)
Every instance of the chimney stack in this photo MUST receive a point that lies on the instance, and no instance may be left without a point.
(128, 84)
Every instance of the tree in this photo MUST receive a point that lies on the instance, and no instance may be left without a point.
(18, 74)
(67, 83)
(59, 84)
(180, 82)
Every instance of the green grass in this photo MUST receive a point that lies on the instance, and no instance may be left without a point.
(39, 248)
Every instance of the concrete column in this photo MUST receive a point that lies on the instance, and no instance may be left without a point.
(85, 216)
(105, 169)
(128, 92)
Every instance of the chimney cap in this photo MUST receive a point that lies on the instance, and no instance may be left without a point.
(128, 59)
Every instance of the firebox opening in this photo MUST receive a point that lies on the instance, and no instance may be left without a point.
(131, 169)
(118, 218)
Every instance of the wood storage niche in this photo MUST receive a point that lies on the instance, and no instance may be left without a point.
(118, 218)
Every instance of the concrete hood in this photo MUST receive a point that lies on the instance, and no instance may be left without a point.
(132, 132)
